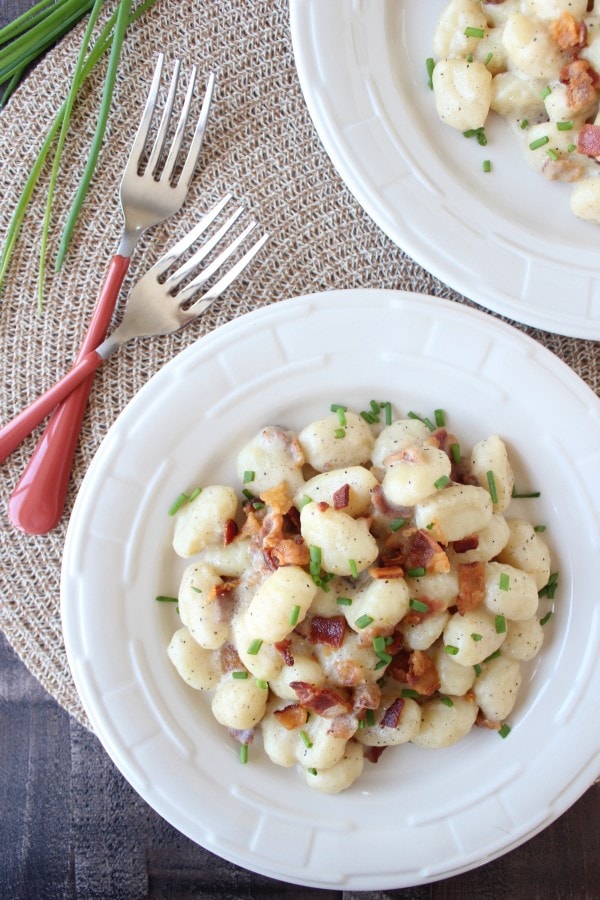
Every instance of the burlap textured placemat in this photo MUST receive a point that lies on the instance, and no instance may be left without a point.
(262, 146)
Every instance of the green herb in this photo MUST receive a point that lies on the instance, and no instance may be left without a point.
(450, 650)
(312, 771)
(552, 154)
(247, 493)
(195, 493)
(430, 66)
(447, 701)
(340, 433)
(162, 598)
(370, 717)
(469, 57)
(571, 148)
(294, 615)
(418, 605)
(239, 675)
(478, 133)
(195, 589)
(262, 684)
(455, 453)
(344, 601)
(423, 419)
(254, 647)
(487, 165)
(369, 417)
(493, 655)
(477, 669)
(441, 482)
(417, 572)
(440, 418)
(545, 92)
(546, 618)
(492, 486)
(504, 581)
(409, 694)
(564, 126)
(500, 625)
(474, 32)
(475, 636)
(363, 621)
(504, 731)
(249, 476)
(387, 409)
(178, 503)
(397, 524)
(540, 142)
(524, 124)
(353, 568)
(524, 495)
(539, 528)
(244, 753)
(305, 739)
(549, 589)
(488, 59)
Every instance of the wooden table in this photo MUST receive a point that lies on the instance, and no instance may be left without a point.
(71, 826)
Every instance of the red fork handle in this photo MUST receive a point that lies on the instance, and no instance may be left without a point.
(38, 500)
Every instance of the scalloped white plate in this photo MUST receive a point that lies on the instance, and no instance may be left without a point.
(417, 815)
(506, 239)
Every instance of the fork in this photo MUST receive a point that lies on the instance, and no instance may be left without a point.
(150, 192)
(159, 304)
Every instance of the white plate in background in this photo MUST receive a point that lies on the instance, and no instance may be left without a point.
(417, 815)
(506, 239)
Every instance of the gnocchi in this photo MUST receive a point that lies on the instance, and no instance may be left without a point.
(360, 589)
(536, 63)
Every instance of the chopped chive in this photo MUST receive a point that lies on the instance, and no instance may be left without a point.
(262, 684)
(294, 615)
(306, 499)
(239, 674)
(539, 528)
(500, 625)
(375, 407)
(340, 412)
(379, 644)
(450, 650)
(244, 754)
(441, 482)
(178, 503)
(549, 589)
(195, 493)
(524, 495)
(363, 621)
(492, 485)
(258, 504)
(440, 418)
(493, 655)
(540, 142)
(397, 524)
(571, 148)
(387, 409)
(353, 568)
(564, 126)
(344, 601)
(504, 731)
(504, 581)
(368, 417)
(249, 476)
(370, 717)
(486, 165)
(475, 636)
(417, 572)
(340, 433)
(455, 452)
(545, 618)
(162, 598)
(306, 740)
(195, 589)
(545, 92)
(254, 647)
(430, 66)
(315, 555)
(409, 693)
(477, 669)
(552, 154)
(423, 419)
(312, 771)
(474, 32)
(418, 605)
(248, 494)
(447, 701)
(384, 659)
(524, 124)
(488, 59)
(469, 57)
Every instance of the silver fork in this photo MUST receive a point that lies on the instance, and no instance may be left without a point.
(159, 303)
(151, 191)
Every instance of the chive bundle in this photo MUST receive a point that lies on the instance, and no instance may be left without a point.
(21, 43)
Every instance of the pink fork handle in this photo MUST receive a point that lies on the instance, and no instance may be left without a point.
(15, 431)
(38, 500)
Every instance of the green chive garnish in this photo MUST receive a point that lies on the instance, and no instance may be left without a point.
(455, 453)
(539, 528)
(262, 684)
(294, 615)
(500, 625)
(493, 655)
(504, 581)
(488, 59)
(178, 503)
(447, 701)
(370, 717)
(418, 605)
(254, 647)
(477, 669)
(249, 476)
(340, 433)
(474, 32)
(417, 572)
(540, 142)
(312, 771)
(524, 124)
(162, 598)
(430, 66)
(239, 675)
(552, 154)
(397, 524)
(363, 621)
(387, 409)
(423, 419)
(475, 636)
(504, 731)
(545, 618)
(564, 126)
(487, 165)
(450, 650)
(524, 495)
(545, 92)
(353, 568)
(441, 482)
(305, 739)
(492, 486)
(409, 693)
(549, 590)
(344, 601)
(244, 753)
(440, 418)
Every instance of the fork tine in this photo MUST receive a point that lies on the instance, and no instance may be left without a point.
(180, 130)
(141, 135)
(161, 135)
(217, 289)
(196, 144)
(215, 265)
(202, 252)
(171, 256)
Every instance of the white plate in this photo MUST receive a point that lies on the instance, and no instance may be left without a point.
(416, 816)
(506, 239)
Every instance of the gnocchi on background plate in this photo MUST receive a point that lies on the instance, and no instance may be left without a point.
(363, 586)
(536, 63)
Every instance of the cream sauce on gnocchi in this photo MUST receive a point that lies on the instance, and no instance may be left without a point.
(537, 64)
(363, 586)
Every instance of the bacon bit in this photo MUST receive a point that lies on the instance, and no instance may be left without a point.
(366, 696)
(398, 668)
(341, 497)
(471, 586)
(434, 606)
(230, 531)
(285, 648)
(278, 499)
(348, 672)
(385, 572)
(392, 715)
(482, 722)
(465, 544)
(290, 552)
(373, 753)
(252, 525)
(581, 80)
(229, 659)
(321, 700)
(292, 519)
(343, 727)
(413, 454)
(291, 716)
(588, 140)
(567, 170)
(568, 33)
(329, 630)
(422, 674)
(425, 552)
(220, 590)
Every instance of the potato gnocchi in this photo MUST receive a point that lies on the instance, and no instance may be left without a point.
(537, 64)
(364, 586)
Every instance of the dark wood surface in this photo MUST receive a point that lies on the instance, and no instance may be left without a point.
(71, 826)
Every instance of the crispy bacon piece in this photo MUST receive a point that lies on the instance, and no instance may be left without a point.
(291, 716)
(392, 715)
(229, 659)
(278, 499)
(329, 630)
(348, 672)
(366, 696)
(225, 587)
(569, 33)
(471, 586)
(230, 531)
(398, 668)
(467, 543)
(253, 523)
(386, 571)
(422, 674)
(482, 722)
(425, 552)
(373, 753)
(285, 648)
(343, 727)
(280, 550)
(588, 140)
(412, 454)
(341, 497)
(581, 80)
(321, 700)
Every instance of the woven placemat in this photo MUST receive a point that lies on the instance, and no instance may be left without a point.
(260, 145)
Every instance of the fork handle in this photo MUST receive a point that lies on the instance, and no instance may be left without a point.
(38, 500)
